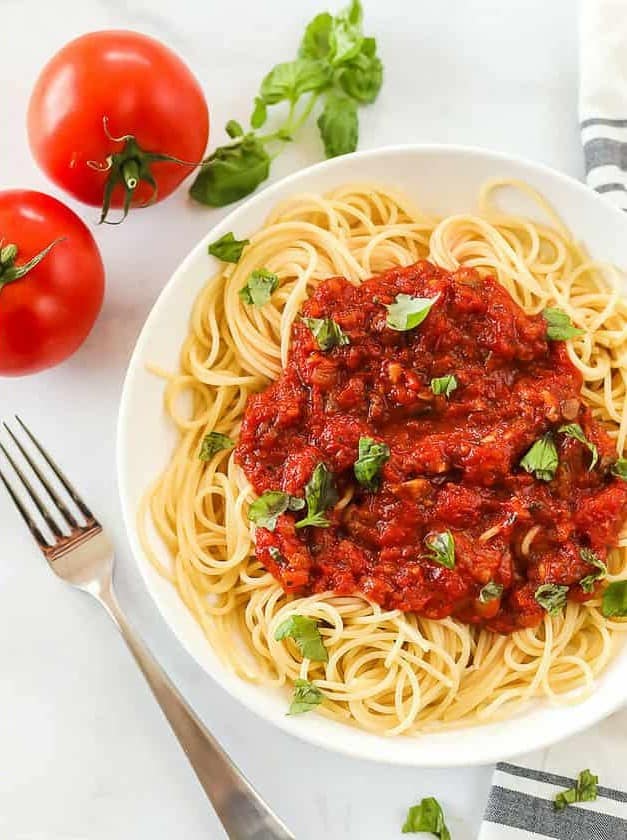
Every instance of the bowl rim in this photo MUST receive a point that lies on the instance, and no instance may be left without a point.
(227, 680)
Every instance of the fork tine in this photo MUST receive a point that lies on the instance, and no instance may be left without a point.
(80, 504)
(32, 527)
(48, 519)
(69, 518)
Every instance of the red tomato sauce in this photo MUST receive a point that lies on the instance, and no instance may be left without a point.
(454, 461)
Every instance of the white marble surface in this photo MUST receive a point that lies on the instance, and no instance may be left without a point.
(84, 751)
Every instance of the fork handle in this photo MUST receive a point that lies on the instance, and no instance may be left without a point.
(243, 813)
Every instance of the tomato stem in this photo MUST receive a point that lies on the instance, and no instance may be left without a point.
(130, 173)
(9, 272)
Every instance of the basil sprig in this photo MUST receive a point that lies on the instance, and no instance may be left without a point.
(575, 431)
(265, 510)
(444, 385)
(541, 459)
(615, 600)
(490, 592)
(259, 287)
(337, 64)
(305, 633)
(212, 443)
(228, 248)
(306, 697)
(559, 325)
(372, 457)
(588, 583)
(442, 548)
(327, 333)
(427, 816)
(408, 312)
(551, 597)
(585, 790)
(320, 494)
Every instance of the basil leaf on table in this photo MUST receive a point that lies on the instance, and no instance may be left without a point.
(442, 548)
(231, 172)
(541, 459)
(234, 129)
(320, 494)
(551, 597)
(615, 600)
(212, 443)
(559, 325)
(327, 333)
(372, 456)
(339, 125)
(265, 510)
(585, 790)
(305, 633)
(259, 287)
(315, 43)
(362, 77)
(575, 431)
(306, 697)
(290, 80)
(259, 114)
(444, 385)
(346, 36)
(408, 312)
(427, 816)
(228, 248)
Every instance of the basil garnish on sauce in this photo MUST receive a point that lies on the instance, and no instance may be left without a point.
(444, 385)
(408, 312)
(442, 548)
(327, 333)
(619, 468)
(372, 456)
(585, 790)
(587, 583)
(575, 431)
(306, 697)
(265, 510)
(259, 288)
(559, 325)
(228, 248)
(615, 600)
(320, 493)
(212, 443)
(490, 592)
(551, 597)
(305, 633)
(428, 816)
(541, 459)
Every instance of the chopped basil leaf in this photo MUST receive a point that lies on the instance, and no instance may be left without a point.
(490, 592)
(265, 510)
(212, 443)
(372, 456)
(575, 431)
(306, 697)
(408, 312)
(551, 597)
(541, 459)
(615, 600)
(585, 790)
(305, 633)
(444, 385)
(228, 248)
(428, 816)
(327, 333)
(276, 554)
(619, 468)
(587, 583)
(320, 493)
(258, 290)
(442, 548)
(560, 327)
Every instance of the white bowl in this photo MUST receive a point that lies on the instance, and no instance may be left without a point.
(441, 180)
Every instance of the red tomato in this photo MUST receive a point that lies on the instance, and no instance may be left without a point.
(124, 85)
(46, 314)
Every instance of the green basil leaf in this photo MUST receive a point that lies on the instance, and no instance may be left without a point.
(346, 37)
(429, 817)
(541, 459)
(619, 468)
(315, 43)
(259, 114)
(490, 592)
(259, 287)
(362, 77)
(551, 597)
(560, 327)
(372, 456)
(408, 312)
(444, 385)
(212, 443)
(588, 583)
(575, 431)
(442, 548)
(615, 600)
(585, 790)
(288, 81)
(305, 633)
(339, 125)
(265, 510)
(234, 129)
(320, 494)
(231, 172)
(327, 333)
(306, 697)
(228, 248)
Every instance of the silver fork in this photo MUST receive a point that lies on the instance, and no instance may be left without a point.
(83, 557)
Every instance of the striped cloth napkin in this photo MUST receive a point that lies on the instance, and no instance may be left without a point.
(603, 96)
(521, 805)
